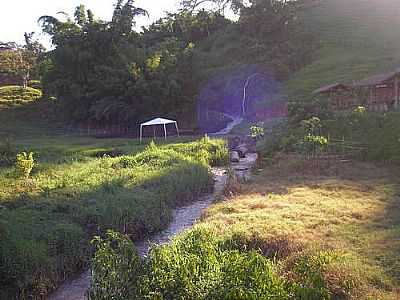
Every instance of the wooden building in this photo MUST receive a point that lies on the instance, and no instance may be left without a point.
(380, 92)
(340, 96)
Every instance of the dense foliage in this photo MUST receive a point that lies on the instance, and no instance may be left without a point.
(21, 62)
(201, 265)
(375, 133)
(107, 72)
(48, 220)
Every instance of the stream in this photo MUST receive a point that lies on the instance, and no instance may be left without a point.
(183, 218)
(235, 121)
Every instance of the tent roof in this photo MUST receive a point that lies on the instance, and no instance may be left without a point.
(158, 121)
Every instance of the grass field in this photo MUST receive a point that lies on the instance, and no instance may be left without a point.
(82, 186)
(292, 232)
(354, 210)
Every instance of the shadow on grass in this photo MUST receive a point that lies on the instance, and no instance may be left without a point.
(45, 236)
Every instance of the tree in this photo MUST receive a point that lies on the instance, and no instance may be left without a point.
(80, 15)
(20, 61)
(196, 5)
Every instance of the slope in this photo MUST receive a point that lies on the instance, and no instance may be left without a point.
(358, 38)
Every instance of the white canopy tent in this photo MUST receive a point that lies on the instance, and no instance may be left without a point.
(156, 122)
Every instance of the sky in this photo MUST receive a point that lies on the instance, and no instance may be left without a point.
(19, 16)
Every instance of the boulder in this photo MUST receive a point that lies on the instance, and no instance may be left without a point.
(242, 150)
(235, 158)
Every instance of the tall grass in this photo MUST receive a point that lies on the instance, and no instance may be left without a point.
(48, 219)
(197, 266)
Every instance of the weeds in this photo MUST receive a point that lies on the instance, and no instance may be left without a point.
(24, 164)
(46, 225)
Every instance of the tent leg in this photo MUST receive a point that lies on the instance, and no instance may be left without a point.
(165, 131)
(141, 133)
(177, 130)
(154, 132)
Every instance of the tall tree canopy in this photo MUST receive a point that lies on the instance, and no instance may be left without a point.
(107, 72)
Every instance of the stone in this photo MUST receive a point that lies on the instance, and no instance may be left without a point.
(235, 158)
(242, 150)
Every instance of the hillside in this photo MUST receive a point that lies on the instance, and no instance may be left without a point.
(358, 38)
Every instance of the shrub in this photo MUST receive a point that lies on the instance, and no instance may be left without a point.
(376, 133)
(15, 93)
(325, 274)
(24, 164)
(7, 152)
(116, 267)
(256, 132)
(36, 84)
(312, 145)
(192, 267)
(212, 152)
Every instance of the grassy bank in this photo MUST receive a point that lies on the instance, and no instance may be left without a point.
(292, 233)
(81, 187)
(352, 211)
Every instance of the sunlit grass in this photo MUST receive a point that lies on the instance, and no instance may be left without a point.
(77, 189)
(357, 212)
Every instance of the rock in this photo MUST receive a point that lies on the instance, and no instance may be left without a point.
(242, 150)
(235, 158)
(92, 201)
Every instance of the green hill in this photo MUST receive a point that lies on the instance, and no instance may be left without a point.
(358, 38)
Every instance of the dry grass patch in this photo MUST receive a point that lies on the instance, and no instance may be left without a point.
(354, 208)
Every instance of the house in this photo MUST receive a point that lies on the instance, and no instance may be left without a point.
(379, 93)
(340, 96)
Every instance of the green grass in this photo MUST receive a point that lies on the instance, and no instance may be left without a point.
(358, 38)
(83, 186)
(17, 94)
(293, 232)
(289, 207)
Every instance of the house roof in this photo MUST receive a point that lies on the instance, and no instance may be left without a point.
(377, 79)
(158, 121)
(330, 87)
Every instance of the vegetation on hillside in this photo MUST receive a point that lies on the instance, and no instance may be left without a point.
(315, 223)
(104, 72)
(356, 41)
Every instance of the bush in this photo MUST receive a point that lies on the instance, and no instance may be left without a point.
(206, 150)
(24, 164)
(192, 267)
(377, 133)
(256, 132)
(8, 152)
(116, 266)
(18, 93)
(36, 84)
(326, 274)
